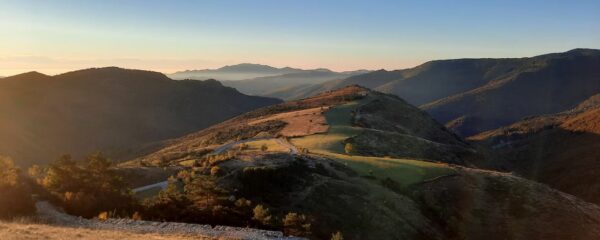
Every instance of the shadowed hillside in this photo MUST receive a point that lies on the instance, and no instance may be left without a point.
(561, 150)
(114, 110)
(368, 165)
(475, 95)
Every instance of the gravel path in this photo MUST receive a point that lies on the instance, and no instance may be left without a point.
(162, 185)
(49, 213)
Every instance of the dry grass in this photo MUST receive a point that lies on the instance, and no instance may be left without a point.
(339, 120)
(17, 231)
(299, 123)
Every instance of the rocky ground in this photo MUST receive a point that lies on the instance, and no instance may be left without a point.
(54, 224)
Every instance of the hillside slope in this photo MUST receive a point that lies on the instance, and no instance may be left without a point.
(109, 109)
(474, 95)
(561, 150)
(373, 167)
(553, 83)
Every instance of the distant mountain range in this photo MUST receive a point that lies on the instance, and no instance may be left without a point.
(475, 95)
(107, 109)
(263, 80)
(272, 85)
(234, 72)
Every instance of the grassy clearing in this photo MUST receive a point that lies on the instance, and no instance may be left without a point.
(330, 144)
(340, 128)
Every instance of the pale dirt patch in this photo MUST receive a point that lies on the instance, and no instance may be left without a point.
(300, 123)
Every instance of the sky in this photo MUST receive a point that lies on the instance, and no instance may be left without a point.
(56, 36)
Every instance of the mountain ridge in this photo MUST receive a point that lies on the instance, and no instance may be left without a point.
(447, 88)
(109, 109)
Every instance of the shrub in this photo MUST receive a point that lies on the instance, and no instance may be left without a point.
(215, 171)
(103, 216)
(337, 236)
(296, 224)
(262, 215)
(136, 216)
(348, 148)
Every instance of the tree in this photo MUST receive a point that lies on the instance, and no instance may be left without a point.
(89, 187)
(204, 192)
(15, 192)
(170, 204)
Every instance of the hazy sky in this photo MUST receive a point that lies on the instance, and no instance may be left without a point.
(60, 35)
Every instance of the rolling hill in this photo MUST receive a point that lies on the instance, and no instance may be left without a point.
(372, 166)
(561, 150)
(113, 110)
(474, 95)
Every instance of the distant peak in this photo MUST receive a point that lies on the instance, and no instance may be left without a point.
(115, 72)
(30, 75)
(247, 67)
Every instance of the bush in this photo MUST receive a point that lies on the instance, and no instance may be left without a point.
(262, 215)
(337, 236)
(296, 224)
(215, 171)
(348, 148)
